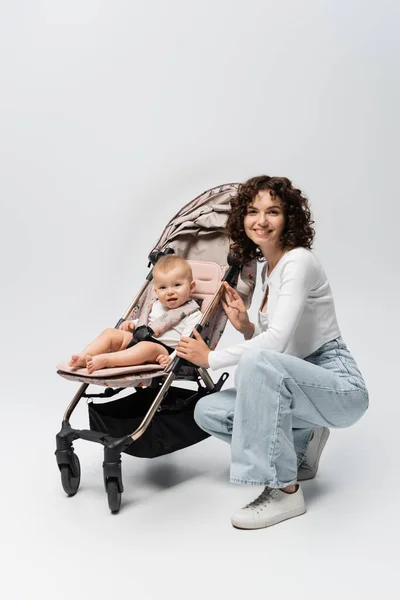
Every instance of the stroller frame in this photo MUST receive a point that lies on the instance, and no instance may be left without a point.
(68, 461)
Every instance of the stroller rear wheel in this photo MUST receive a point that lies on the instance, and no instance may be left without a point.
(113, 495)
(69, 481)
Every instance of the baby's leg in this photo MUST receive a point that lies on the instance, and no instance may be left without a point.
(143, 352)
(110, 340)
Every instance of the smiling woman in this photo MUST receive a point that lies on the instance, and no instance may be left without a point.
(264, 224)
(277, 195)
(295, 375)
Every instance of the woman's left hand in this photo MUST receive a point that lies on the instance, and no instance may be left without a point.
(195, 351)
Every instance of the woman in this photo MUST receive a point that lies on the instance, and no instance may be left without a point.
(294, 371)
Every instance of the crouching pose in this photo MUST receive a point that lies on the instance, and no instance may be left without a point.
(172, 315)
(295, 377)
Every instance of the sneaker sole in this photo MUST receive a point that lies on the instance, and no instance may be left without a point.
(303, 473)
(296, 512)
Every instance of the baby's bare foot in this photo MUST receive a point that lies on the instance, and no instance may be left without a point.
(95, 363)
(77, 360)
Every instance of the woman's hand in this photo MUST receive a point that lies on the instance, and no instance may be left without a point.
(195, 351)
(236, 311)
(127, 326)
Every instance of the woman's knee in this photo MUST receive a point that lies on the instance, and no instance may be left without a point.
(214, 413)
(201, 410)
(255, 358)
(250, 363)
(252, 357)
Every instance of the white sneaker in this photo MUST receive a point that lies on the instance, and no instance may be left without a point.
(271, 507)
(309, 467)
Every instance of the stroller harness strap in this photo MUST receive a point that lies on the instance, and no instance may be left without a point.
(169, 319)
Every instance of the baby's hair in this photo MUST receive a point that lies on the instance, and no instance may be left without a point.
(171, 261)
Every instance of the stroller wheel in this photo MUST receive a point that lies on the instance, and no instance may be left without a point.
(114, 495)
(69, 481)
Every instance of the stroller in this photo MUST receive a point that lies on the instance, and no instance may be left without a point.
(158, 417)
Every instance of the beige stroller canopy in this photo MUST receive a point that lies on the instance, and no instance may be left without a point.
(198, 232)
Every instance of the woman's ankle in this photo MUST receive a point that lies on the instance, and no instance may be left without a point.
(290, 489)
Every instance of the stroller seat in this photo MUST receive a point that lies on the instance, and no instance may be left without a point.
(208, 276)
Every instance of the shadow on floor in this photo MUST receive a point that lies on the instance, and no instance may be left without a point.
(169, 475)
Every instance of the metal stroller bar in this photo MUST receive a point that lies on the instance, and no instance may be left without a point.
(72, 405)
(134, 302)
(153, 408)
(203, 373)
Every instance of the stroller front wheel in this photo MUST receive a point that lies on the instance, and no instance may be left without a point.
(113, 495)
(69, 481)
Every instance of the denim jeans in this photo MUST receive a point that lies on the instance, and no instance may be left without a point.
(269, 416)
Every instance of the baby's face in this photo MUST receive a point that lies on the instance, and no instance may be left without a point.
(173, 288)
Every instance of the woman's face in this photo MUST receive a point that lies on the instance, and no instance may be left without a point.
(264, 221)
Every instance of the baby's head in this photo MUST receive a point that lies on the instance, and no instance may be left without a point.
(173, 280)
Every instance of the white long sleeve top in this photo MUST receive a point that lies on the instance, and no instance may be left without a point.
(300, 313)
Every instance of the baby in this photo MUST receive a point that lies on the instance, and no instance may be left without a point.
(173, 284)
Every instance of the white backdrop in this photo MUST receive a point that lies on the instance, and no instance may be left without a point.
(115, 114)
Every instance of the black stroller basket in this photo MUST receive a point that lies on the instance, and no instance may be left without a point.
(172, 427)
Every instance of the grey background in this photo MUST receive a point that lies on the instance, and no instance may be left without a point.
(113, 115)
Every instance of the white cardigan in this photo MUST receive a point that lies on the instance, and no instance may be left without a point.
(300, 313)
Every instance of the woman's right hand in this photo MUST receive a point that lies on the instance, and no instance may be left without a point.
(236, 311)
(127, 326)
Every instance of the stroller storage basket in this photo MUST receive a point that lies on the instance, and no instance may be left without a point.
(172, 427)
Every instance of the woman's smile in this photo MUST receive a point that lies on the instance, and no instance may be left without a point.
(262, 232)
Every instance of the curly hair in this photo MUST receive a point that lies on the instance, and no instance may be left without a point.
(298, 230)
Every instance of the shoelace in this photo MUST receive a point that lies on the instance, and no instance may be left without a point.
(265, 496)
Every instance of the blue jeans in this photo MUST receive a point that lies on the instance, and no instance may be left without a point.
(269, 416)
